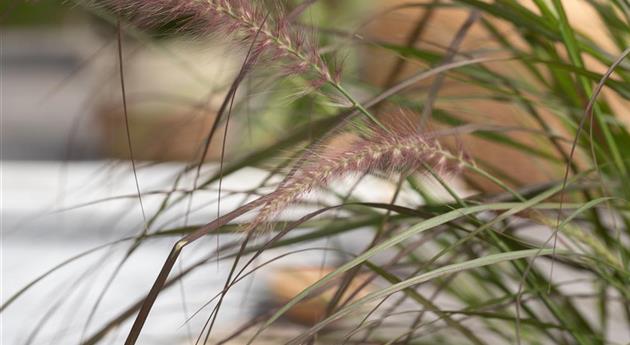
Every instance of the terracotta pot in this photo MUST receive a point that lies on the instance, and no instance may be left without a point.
(286, 283)
(173, 94)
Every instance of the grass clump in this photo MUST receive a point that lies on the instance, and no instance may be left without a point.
(497, 266)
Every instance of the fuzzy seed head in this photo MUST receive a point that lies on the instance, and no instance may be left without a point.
(398, 152)
(273, 36)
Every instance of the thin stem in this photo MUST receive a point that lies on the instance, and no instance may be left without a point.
(358, 105)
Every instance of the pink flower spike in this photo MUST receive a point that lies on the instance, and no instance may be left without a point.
(276, 36)
(400, 151)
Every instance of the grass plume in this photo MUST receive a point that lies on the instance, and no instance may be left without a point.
(271, 32)
(397, 151)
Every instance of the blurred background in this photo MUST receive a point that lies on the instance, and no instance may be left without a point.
(62, 90)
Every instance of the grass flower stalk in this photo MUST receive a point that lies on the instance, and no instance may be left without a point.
(273, 32)
(388, 152)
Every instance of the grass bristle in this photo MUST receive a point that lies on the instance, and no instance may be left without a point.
(271, 32)
(399, 151)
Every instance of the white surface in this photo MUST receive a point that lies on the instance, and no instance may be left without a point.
(37, 236)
